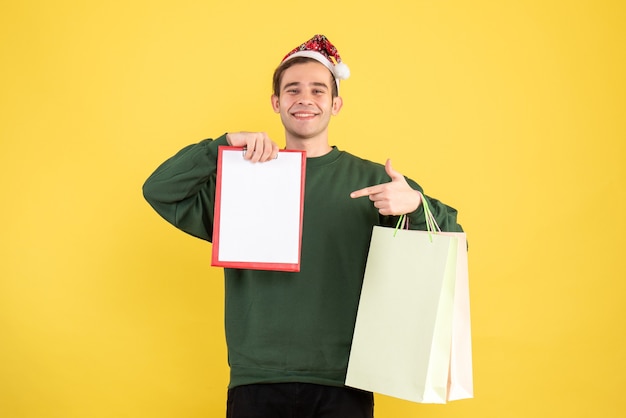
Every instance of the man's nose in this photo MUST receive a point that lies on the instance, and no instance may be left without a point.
(304, 98)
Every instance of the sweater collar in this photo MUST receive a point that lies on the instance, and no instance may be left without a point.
(325, 159)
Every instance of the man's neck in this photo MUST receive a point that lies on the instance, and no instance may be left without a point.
(314, 147)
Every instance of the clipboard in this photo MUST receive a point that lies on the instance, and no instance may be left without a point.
(258, 211)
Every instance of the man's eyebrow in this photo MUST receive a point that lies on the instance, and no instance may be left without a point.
(298, 84)
(292, 84)
(320, 84)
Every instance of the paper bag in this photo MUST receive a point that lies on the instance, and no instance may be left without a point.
(403, 338)
(460, 381)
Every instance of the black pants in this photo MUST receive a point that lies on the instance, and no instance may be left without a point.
(298, 400)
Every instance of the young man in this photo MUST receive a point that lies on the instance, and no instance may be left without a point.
(289, 334)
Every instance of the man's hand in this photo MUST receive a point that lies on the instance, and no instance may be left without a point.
(259, 147)
(393, 198)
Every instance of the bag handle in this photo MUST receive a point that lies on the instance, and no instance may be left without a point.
(431, 223)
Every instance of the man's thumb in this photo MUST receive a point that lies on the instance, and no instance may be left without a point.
(391, 172)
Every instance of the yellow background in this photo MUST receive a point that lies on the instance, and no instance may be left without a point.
(511, 111)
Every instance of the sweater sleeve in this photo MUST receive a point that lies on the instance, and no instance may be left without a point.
(445, 215)
(182, 189)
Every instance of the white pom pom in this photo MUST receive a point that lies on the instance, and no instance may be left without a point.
(342, 72)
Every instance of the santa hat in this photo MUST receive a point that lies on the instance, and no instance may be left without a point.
(320, 49)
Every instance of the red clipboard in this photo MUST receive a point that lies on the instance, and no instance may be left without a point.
(258, 211)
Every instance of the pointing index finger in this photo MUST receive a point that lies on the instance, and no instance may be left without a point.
(367, 191)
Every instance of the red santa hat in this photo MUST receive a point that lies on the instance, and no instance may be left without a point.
(320, 49)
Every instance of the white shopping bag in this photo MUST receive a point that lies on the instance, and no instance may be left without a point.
(412, 334)
(460, 382)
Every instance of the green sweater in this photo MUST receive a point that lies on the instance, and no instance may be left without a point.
(285, 326)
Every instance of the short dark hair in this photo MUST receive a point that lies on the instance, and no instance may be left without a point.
(278, 74)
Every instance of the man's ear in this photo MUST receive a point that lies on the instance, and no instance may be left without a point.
(337, 105)
(275, 103)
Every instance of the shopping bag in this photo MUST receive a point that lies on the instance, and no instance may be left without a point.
(460, 379)
(404, 342)
(402, 337)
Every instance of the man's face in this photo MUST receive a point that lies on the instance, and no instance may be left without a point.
(306, 103)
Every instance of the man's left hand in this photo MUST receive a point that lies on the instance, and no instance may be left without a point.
(393, 198)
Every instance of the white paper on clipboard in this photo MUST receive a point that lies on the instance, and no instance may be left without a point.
(258, 211)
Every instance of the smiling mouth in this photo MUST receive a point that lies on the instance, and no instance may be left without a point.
(303, 115)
